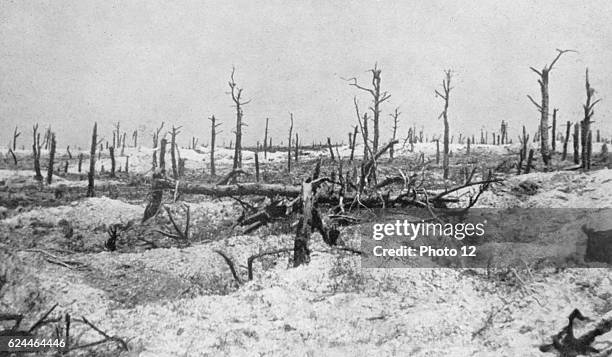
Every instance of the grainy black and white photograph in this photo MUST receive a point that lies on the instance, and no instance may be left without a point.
(306, 178)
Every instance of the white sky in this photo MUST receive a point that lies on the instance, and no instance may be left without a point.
(70, 63)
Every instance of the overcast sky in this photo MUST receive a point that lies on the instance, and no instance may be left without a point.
(70, 63)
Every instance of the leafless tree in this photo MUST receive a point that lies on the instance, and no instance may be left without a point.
(155, 142)
(395, 115)
(123, 143)
(51, 159)
(162, 156)
(16, 134)
(213, 136)
(173, 148)
(567, 135)
(378, 98)
(236, 94)
(576, 142)
(543, 106)
(92, 162)
(117, 134)
(289, 144)
(554, 130)
(586, 122)
(446, 88)
(265, 141)
(366, 137)
(353, 142)
(297, 147)
(111, 151)
(36, 152)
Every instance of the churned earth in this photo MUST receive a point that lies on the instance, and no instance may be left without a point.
(173, 301)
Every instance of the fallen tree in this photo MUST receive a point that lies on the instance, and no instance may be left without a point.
(288, 199)
(306, 201)
(240, 189)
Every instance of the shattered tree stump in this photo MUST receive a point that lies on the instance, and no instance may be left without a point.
(301, 252)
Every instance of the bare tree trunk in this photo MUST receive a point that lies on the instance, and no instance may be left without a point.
(36, 151)
(127, 164)
(154, 155)
(395, 115)
(503, 131)
(256, 166)
(10, 151)
(543, 106)
(111, 150)
(554, 130)
(16, 134)
(117, 135)
(80, 165)
(353, 143)
(589, 150)
(156, 196)
(378, 98)
(297, 147)
(265, 141)
(529, 162)
(123, 145)
(162, 156)
(289, 145)
(584, 129)
(445, 96)
(576, 143)
(586, 123)
(236, 94)
(524, 141)
(46, 138)
(51, 160)
(366, 137)
(213, 135)
(468, 146)
(92, 162)
(301, 251)
(175, 132)
(437, 151)
(331, 150)
(566, 139)
(135, 138)
(181, 167)
(155, 142)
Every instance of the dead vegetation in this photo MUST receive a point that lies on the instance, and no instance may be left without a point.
(317, 196)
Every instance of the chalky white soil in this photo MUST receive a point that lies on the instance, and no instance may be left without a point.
(331, 307)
